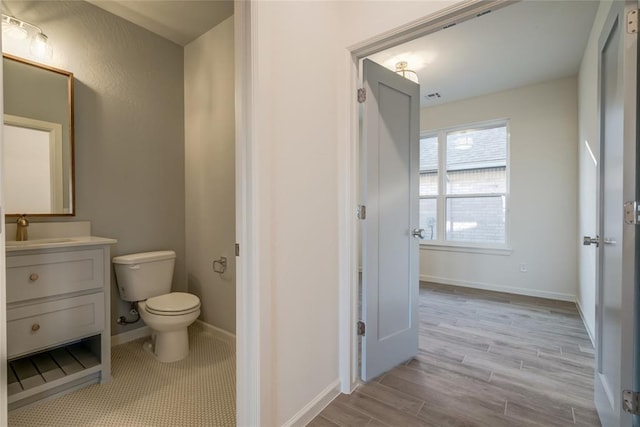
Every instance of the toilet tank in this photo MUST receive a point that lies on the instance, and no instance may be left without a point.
(144, 275)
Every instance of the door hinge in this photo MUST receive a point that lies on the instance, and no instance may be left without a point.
(632, 22)
(631, 402)
(361, 328)
(362, 95)
(237, 249)
(631, 213)
(362, 212)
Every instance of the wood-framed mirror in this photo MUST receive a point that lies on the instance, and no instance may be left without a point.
(38, 139)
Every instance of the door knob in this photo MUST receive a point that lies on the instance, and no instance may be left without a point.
(586, 241)
(418, 233)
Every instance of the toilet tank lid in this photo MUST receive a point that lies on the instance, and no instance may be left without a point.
(144, 257)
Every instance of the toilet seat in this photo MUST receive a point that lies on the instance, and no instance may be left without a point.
(172, 304)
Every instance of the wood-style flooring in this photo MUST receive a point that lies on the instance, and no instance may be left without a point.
(485, 359)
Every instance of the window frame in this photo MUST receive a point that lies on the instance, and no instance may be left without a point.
(440, 243)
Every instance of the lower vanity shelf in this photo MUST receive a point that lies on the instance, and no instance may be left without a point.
(40, 375)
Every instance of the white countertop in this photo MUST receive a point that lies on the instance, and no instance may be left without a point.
(60, 242)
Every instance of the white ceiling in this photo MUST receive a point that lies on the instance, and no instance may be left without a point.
(521, 44)
(528, 42)
(179, 21)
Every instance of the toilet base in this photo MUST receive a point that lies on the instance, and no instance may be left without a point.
(169, 346)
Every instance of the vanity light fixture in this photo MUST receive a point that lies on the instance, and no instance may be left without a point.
(18, 29)
(401, 68)
(13, 28)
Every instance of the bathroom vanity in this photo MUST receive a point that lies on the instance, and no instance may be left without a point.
(58, 329)
(58, 283)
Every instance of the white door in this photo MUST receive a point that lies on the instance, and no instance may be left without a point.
(617, 242)
(390, 193)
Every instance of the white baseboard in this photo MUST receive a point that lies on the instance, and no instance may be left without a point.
(126, 337)
(497, 288)
(586, 325)
(313, 408)
(144, 331)
(218, 332)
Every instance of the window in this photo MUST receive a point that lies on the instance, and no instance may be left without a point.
(463, 186)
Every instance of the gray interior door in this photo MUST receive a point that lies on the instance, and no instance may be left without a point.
(390, 193)
(616, 285)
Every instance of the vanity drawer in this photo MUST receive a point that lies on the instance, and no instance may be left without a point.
(49, 274)
(36, 326)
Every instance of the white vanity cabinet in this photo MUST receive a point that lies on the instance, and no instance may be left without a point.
(58, 329)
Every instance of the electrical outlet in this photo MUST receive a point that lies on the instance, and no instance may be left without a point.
(524, 267)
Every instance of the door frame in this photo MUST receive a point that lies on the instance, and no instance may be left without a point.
(349, 168)
(3, 287)
(253, 286)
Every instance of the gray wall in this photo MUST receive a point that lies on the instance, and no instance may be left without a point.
(129, 128)
(210, 168)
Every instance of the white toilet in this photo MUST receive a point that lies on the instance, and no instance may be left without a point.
(145, 278)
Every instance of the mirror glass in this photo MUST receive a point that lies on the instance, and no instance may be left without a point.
(38, 139)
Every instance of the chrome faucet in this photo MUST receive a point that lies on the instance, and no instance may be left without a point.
(21, 229)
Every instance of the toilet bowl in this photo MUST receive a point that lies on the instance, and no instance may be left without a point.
(145, 279)
(169, 338)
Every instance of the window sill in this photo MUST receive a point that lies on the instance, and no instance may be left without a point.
(506, 251)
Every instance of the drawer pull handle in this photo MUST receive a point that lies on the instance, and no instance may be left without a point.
(33, 277)
(35, 327)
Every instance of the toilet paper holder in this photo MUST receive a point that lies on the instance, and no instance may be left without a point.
(220, 265)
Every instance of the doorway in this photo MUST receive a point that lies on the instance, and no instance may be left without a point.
(523, 265)
(152, 136)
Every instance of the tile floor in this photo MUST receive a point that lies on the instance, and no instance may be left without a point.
(195, 392)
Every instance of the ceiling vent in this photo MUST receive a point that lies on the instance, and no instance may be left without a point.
(434, 95)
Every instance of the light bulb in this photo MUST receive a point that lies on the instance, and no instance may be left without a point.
(40, 46)
(14, 30)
